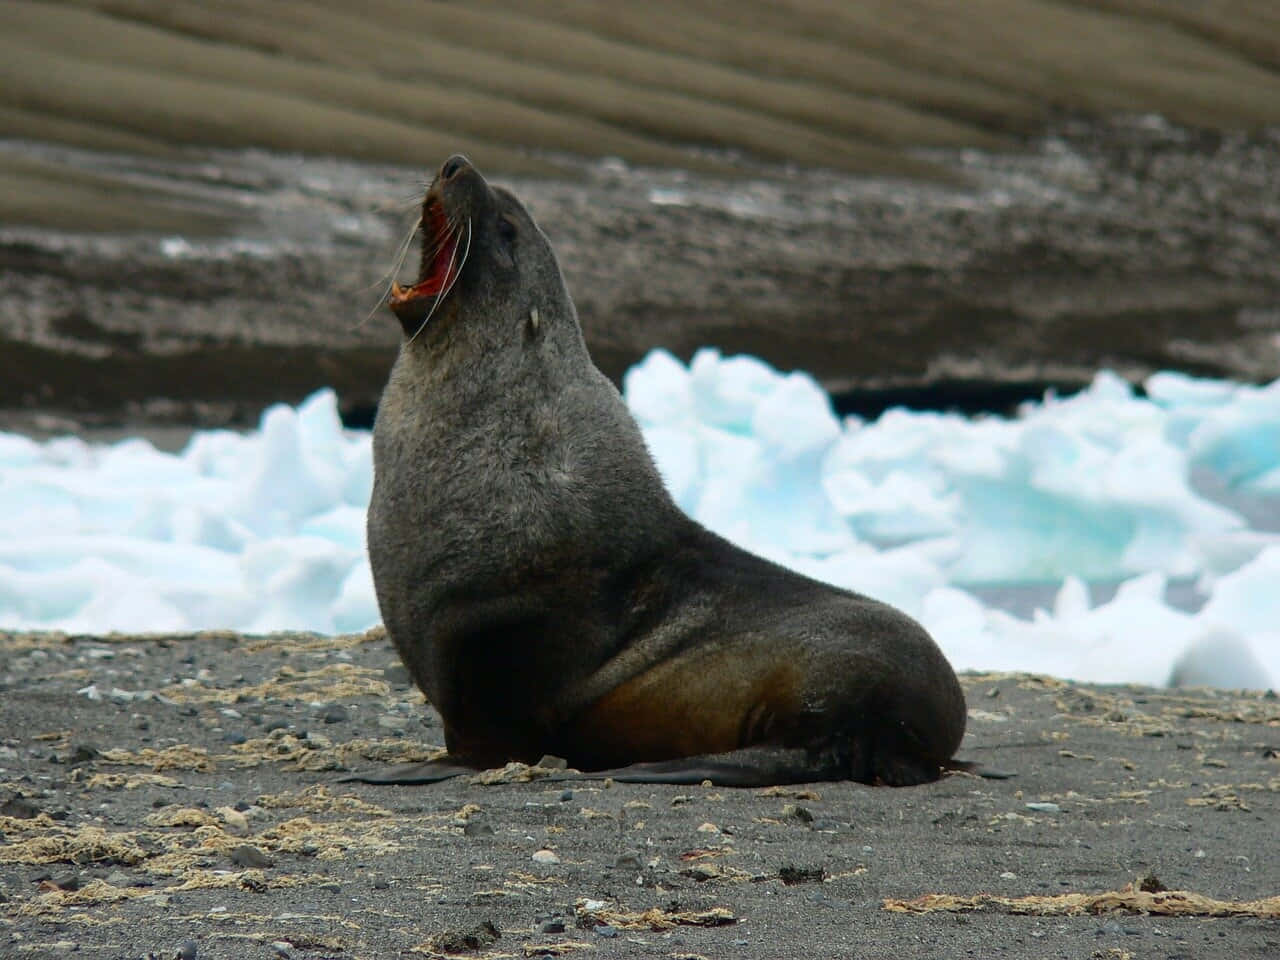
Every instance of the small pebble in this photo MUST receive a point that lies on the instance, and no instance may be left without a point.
(235, 821)
(791, 875)
(566, 795)
(477, 828)
(82, 753)
(1045, 807)
(20, 808)
(797, 812)
(702, 872)
(606, 931)
(398, 675)
(545, 856)
(187, 951)
(281, 949)
(336, 714)
(552, 926)
(247, 855)
(68, 881)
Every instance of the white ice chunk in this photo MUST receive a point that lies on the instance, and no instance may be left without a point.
(18, 451)
(726, 392)
(659, 390)
(676, 454)
(1220, 658)
(264, 529)
(1248, 600)
(1240, 442)
(288, 482)
(356, 607)
(300, 578)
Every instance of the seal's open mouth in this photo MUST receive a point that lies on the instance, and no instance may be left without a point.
(441, 259)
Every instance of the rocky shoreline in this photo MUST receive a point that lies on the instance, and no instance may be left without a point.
(1132, 245)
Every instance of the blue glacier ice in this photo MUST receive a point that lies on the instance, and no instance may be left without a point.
(1099, 503)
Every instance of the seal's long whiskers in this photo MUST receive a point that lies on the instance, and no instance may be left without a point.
(451, 277)
(402, 251)
(388, 279)
(461, 263)
(437, 243)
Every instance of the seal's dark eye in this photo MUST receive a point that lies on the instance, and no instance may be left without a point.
(507, 230)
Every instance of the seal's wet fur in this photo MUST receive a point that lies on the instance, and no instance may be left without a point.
(549, 597)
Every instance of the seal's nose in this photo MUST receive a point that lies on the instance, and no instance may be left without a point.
(453, 166)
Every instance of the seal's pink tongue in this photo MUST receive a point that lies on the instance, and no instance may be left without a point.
(438, 272)
(441, 266)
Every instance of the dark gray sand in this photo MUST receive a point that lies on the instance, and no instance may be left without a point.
(159, 790)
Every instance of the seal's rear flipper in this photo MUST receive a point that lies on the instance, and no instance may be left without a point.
(748, 767)
(978, 770)
(429, 771)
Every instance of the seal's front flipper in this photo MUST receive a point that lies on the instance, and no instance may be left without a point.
(429, 771)
(748, 767)
(978, 770)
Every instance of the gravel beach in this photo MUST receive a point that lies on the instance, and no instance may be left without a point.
(161, 794)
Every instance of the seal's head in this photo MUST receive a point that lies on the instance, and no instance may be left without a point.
(479, 247)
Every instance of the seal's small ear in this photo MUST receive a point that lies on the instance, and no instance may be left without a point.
(535, 321)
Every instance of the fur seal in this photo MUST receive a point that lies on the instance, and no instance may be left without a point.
(548, 596)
